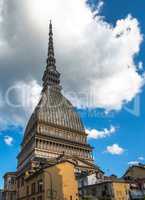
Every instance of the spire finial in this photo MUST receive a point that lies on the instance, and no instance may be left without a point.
(50, 28)
(51, 75)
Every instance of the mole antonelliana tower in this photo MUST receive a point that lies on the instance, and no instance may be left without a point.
(55, 129)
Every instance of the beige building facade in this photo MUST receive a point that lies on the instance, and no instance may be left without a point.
(9, 192)
(135, 172)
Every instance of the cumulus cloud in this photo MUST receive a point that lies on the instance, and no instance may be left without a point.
(8, 140)
(115, 149)
(98, 134)
(98, 69)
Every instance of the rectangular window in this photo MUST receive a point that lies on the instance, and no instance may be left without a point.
(40, 186)
(27, 190)
(22, 181)
(39, 198)
(18, 183)
(33, 188)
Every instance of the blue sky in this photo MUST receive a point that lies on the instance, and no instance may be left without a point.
(130, 128)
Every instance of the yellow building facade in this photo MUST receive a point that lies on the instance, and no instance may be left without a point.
(120, 190)
(55, 182)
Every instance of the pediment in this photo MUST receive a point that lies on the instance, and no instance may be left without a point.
(81, 163)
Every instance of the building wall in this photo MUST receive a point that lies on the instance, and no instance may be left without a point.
(10, 182)
(27, 190)
(57, 182)
(1, 194)
(63, 182)
(136, 172)
(110, 190)
(121, 190)
(9, 186)
(91, 179)
(98, 191)
(104, 190)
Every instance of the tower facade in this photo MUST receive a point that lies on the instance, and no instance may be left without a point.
(55, 128)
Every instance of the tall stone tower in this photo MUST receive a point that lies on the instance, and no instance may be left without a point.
(55, 128)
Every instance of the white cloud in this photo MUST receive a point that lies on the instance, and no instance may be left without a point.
(2, 124)
(101, 61)
(3, 43)
(100, 6)
(28, 94)
(8, 140)
(98, 68)
(21, 98)
(135, 162)
(13, 123)
(115, 149)
(141, 158)
(140, 66)
(98, 134)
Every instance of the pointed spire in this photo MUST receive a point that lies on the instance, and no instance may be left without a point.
(51, 77)
(51, 59)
